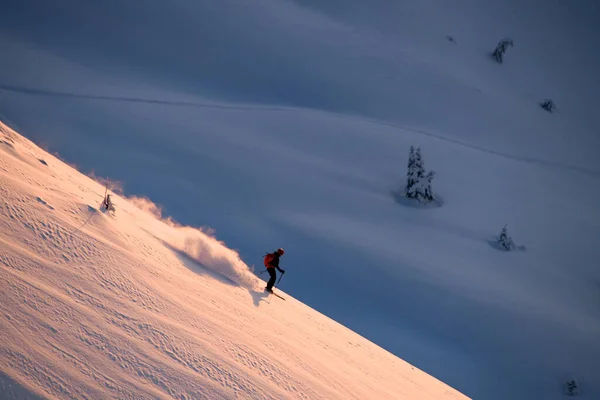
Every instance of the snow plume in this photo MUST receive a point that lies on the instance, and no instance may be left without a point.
(201, 245)
(211, 253)
(146, 205)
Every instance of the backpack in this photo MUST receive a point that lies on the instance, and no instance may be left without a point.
(268, 258)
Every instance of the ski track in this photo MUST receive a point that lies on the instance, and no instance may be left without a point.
(238, 107)
(104, 309)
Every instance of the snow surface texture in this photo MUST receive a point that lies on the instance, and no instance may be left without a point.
(288, 123)
(94, 305)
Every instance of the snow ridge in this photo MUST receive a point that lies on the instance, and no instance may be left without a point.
(132, 305)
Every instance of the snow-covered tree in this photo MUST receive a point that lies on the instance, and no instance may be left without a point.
(419, 163)
(427, 191)
(418, 182)
(411, 173)
(572, 387)
(505, 241)
(548, 105)
(500, 49)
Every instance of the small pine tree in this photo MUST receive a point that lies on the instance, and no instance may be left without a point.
(411, 174)
(427, 191)
(548, 105)
(500, 49)
(418, 183)
(571, 387)
(505, 241)
(419, 163)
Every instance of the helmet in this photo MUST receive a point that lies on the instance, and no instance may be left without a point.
(280, 251)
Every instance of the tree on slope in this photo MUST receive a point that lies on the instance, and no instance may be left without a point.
(427, 191)
(411, 174)
(505, 241)
(572, 387)
(418, 182)
(548, 105)
(500, 49)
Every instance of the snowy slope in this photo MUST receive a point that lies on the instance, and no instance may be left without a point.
(94, 305)
(287, 123)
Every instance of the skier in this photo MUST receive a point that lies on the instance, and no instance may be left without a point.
(272, 262)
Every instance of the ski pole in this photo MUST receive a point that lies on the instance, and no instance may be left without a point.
(280, 276)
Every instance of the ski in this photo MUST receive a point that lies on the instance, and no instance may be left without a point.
(275, 294)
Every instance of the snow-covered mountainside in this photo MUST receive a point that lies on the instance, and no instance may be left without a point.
(288, 123)
(101, 305)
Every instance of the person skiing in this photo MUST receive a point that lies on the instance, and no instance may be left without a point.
(272, 262)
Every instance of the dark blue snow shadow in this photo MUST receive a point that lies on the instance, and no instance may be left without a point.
(401, 199)
(41, 160)
(11, 389)
(92, 209)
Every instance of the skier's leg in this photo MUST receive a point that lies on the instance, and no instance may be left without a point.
(273, 275)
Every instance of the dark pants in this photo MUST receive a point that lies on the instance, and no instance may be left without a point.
(273, 275)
